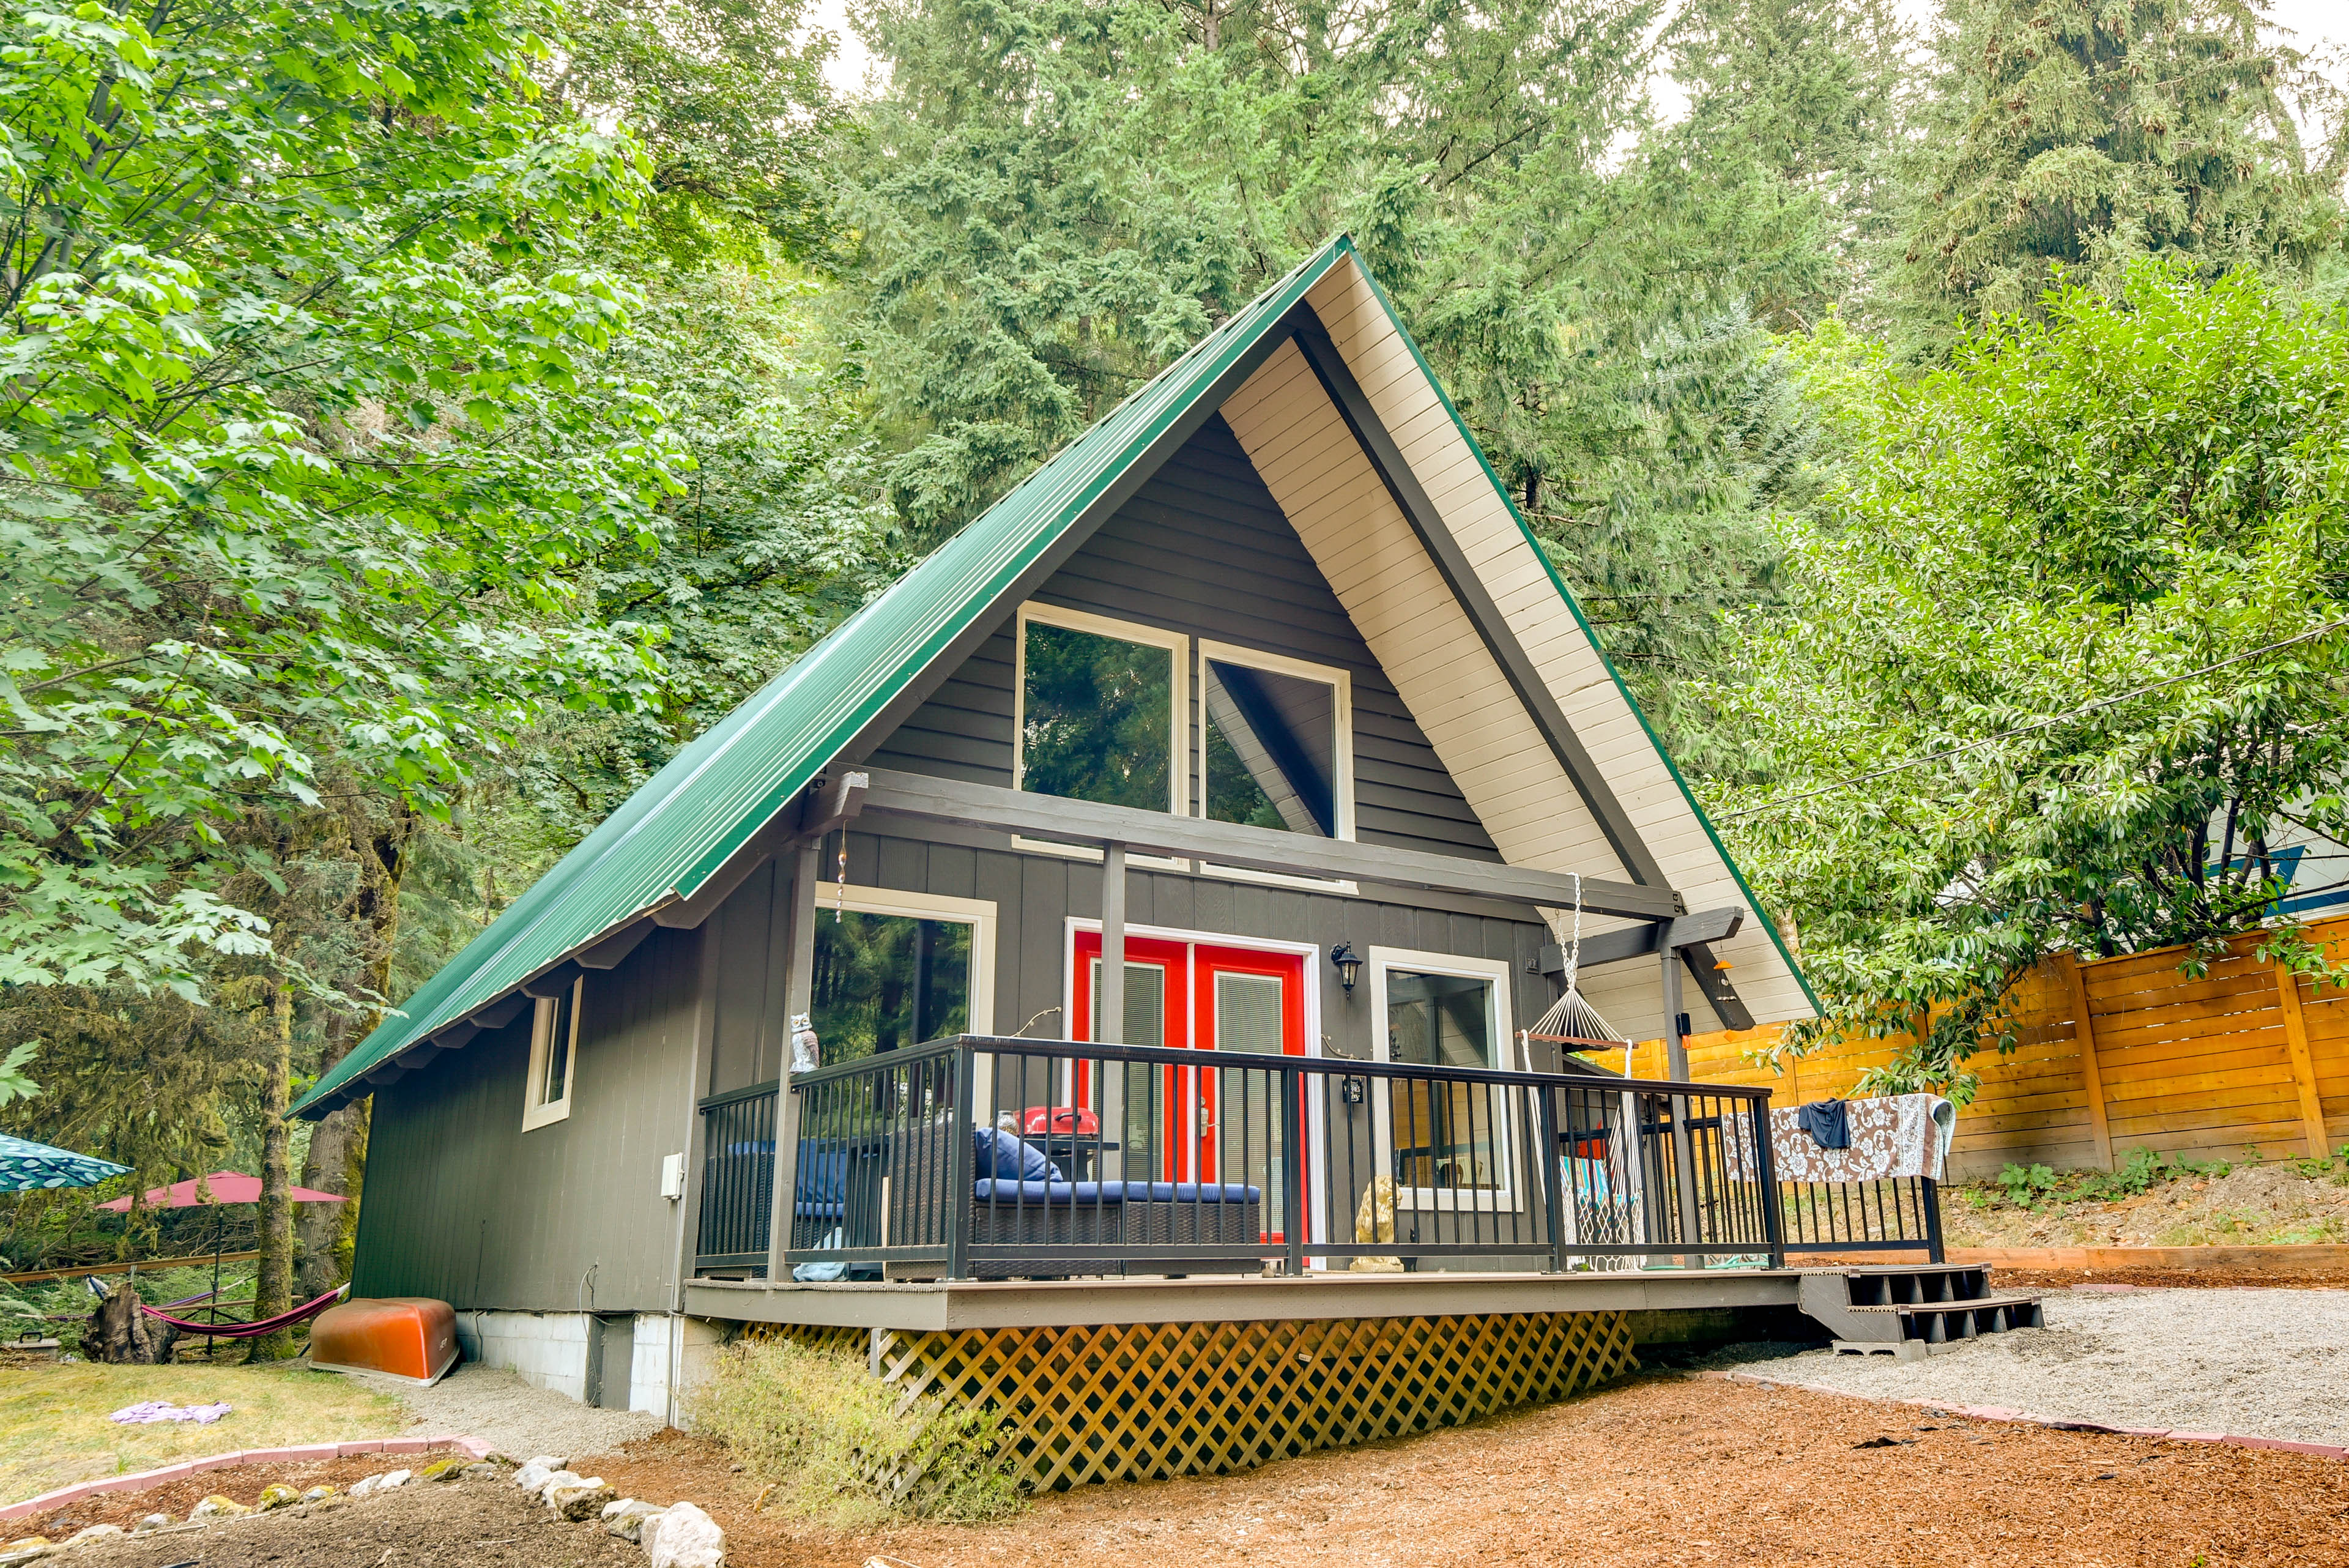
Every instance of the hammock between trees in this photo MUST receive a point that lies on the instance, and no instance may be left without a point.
(302, 1314)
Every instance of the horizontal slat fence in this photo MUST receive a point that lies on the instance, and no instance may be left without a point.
(2200, 1067)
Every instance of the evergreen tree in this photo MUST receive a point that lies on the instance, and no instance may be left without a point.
(2079, 135)
(1054, 198)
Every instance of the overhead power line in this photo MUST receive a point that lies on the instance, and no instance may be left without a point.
(2085, 709)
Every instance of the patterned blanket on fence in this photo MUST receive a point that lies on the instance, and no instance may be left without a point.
(1892, 1136)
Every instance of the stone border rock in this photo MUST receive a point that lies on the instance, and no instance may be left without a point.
(2025, 1418)
(142, 1479)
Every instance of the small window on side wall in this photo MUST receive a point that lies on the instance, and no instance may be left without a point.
(553, 1057)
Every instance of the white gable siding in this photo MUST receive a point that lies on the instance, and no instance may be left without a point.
(1426, 644)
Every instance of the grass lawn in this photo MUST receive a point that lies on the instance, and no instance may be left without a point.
(54, 1430)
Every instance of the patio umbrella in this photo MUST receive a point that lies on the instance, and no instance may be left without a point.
(220, 1188)
(29, 1167)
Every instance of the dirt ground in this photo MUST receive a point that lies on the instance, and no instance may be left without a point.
(1661, 1470)
(2266, 1203)
(243, 1483)
(461, 1525)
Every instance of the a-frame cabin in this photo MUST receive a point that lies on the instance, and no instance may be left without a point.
(1262, 682)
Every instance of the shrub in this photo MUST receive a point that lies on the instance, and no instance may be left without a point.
(830, 1440)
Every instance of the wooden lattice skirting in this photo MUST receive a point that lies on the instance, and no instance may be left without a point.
(1144, 1401)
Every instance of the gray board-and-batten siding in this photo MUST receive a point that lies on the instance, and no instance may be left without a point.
(463, 1205)
(1202, 549)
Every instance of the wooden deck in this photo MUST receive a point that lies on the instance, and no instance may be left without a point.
(948, 1305)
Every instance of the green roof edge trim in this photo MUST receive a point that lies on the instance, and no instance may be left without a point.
(1574, 608)
(530, 936)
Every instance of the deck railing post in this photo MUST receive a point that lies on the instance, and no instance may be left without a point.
(798, 990)
(1774, 1212)
(1292, 1166)
(960, 1157)
(1546, 1151)
(1933, 1218)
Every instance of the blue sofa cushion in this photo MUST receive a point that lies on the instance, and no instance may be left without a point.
(821, 1191)
(1001, 1156)
(999, 1190)
(1197, 1192)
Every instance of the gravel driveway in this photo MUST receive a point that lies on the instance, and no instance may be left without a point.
(2255, 1362)
(515, 1418)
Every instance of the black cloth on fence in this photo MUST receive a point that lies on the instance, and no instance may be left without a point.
(1826, 1122)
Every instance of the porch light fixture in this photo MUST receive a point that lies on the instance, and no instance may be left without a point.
(1350, 967)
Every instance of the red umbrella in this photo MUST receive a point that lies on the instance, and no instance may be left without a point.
(220, 1188)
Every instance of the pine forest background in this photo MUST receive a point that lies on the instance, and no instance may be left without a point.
(419, 420)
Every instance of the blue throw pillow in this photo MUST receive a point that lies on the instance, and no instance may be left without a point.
(1001, 1156)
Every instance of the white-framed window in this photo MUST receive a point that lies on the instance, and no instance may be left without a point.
(553, 1057)
(1100, 710)
(1447, 1145)
(896, 969)
(1276, 749)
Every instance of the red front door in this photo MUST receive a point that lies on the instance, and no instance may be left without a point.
(1243, 1001)
(1199, 1124)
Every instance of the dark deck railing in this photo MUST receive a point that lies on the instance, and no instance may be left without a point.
(1177, 1162)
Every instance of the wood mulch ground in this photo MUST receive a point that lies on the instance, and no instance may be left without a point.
(1665, 1470)
(2178, 1279)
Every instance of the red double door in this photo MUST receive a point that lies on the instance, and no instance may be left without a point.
(1204, 1125)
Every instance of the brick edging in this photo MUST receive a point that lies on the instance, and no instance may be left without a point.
(2025, 1418)
(142, 1479)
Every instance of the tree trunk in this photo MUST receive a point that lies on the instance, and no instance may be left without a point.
(273, 1289)
(338, 1157)
(119, 1333)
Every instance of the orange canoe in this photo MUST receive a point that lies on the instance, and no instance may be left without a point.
(412, 1338)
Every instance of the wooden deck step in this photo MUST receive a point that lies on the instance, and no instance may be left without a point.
(1918, 1307)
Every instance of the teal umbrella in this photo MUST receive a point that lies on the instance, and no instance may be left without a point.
(27, 1167)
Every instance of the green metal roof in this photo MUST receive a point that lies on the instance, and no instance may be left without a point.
(673, 833)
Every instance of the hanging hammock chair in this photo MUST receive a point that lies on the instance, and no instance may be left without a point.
(1571, 1021)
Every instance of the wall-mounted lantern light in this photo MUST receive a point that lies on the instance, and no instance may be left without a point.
(1350, 968)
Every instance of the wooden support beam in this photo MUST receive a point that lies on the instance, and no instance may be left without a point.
(1689, 935)
(2084, 1031)
(2303, 1063)
(921, 797)
(608, 954)
(500, 1012)
(1639, 942)
(834, 803)
(555, 981)
(1111, 992)
(799, 990)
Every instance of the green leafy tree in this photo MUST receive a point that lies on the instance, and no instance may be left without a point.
(2068, 653)
(306, 445)
(728, 100)
(2061, 135)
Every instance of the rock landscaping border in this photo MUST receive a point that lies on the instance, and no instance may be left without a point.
(140, 1480)
(680, 1535)
(2025, 1418)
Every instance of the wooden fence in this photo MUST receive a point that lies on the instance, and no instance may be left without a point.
(2115, 1054)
